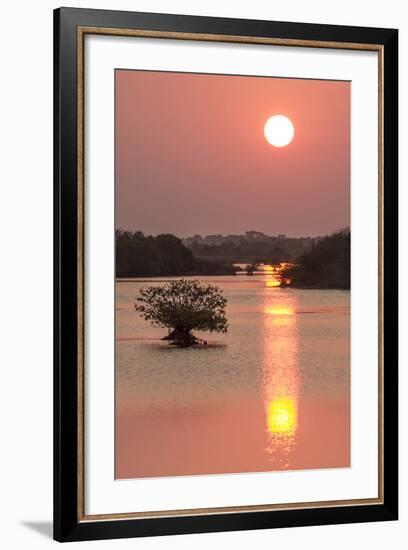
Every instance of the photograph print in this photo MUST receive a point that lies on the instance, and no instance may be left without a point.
(232, 289)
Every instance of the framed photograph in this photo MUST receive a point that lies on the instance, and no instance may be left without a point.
(225, 274)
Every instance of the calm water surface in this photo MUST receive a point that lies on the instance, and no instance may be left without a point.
(271, 394)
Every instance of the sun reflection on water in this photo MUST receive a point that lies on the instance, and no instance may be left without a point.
(282, 416)
(280, 375)
(279, 310)
(274, 274)
(272, 282)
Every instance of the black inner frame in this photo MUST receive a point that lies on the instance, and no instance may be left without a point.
(66, 524)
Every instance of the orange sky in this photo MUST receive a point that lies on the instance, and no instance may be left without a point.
(191, 156)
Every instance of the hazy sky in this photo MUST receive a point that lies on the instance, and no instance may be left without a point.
(191, 156)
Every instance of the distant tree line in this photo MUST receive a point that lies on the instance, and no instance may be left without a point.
(138, 255)
(323, 262)
(250, 247)
(326, 264)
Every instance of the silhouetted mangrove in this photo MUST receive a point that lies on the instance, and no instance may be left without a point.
(183, 306)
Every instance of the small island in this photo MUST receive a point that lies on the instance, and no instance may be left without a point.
(183, 306)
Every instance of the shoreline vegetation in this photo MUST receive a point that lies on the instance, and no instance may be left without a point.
(303, 262)
(325, 265)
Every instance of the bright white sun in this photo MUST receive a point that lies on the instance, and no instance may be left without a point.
(279, 130)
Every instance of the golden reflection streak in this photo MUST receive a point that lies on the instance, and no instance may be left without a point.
(279, 310)
(280, 375)
(282, 416)
(271, 283)
(273, 274)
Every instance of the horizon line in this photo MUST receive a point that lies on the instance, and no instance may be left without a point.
(203, 236)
